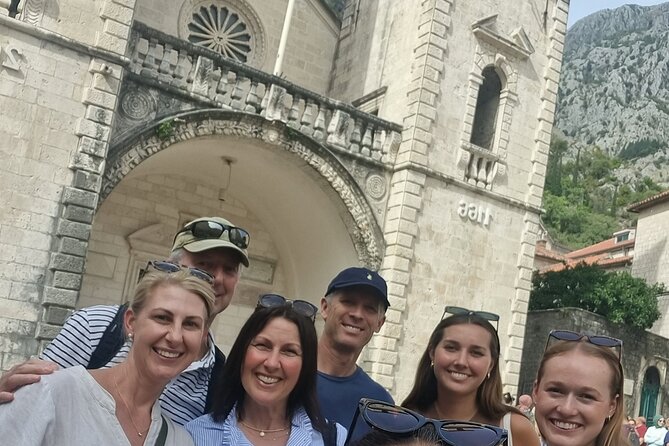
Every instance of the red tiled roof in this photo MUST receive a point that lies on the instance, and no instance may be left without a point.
(593, 260)
(649, 202)
(542, 251)
(598, 248)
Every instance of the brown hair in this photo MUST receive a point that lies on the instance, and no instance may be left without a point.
(489, 394)
(611, 434)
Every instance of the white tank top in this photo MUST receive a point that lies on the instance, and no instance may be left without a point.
(506, 424)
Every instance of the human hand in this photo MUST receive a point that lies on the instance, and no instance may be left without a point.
(23, 374)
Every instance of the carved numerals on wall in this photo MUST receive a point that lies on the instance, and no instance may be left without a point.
(475, 213)
(11, 57)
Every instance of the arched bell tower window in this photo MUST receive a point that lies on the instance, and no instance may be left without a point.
(487, 106)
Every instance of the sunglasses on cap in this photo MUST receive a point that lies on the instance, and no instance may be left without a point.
(401, 422)
(300, 306)
(169, 267)
(209, 229)
(598, 340)
(458, 311)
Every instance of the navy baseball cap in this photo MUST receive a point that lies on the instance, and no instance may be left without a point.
(356, 276)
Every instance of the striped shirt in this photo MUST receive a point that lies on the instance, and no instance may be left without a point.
(184, 397)
(205, 431)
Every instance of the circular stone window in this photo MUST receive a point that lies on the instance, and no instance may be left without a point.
(232, 31)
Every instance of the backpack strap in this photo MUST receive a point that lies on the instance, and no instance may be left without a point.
(214, 379)
(330, 436)
(110, 342)
(162, 435)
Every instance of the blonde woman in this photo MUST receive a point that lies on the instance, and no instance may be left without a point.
(167, 320)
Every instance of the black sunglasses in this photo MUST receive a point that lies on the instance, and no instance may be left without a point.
(598, 340)
(458, 311)
(209, 229)
(300, 306)
(169, 267)
(402, 422)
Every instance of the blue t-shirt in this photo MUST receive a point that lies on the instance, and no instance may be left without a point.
(339, 396)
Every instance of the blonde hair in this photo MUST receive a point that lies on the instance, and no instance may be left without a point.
(611, 433)
(183, 279)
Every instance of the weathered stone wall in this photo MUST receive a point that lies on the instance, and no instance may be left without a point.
(462, 220)
(642, 350)
(56, 94)
(651, 250)
(312, 40)
(118, 244)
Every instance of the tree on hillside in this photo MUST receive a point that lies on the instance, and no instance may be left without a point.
(584, 201)
(618, 296)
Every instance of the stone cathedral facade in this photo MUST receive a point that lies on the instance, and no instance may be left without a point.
(410, 136)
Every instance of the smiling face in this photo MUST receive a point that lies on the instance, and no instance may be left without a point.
(462, 359)
(571, 402)
(272, 364)
(352, 315)
(223, 264)
(167, 332)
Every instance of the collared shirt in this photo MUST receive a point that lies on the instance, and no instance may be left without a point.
(207, 432)
(184, 397)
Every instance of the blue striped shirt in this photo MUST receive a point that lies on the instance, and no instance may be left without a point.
(184, 397)
(207, 432)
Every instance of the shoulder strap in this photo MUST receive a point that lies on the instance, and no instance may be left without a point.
(506, 420)
(330, 437)
(214, 378)
(162, 435)
(110, 342)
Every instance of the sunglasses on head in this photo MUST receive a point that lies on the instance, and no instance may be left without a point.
(458, 311)
(300, 306)
(170, 267)
(598, 340)
(209, 229)
(399, 421)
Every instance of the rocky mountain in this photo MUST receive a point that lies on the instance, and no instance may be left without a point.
(614, 88)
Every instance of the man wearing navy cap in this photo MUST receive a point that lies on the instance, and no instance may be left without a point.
(353, 309)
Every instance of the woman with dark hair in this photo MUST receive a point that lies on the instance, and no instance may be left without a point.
(458, 377)
(269, 391)
(578, 393)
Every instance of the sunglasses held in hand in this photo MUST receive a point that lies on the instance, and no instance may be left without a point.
(395, 420)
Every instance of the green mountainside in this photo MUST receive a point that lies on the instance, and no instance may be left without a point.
(611, 141)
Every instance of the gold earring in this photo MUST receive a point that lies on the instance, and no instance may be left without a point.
(432, 364)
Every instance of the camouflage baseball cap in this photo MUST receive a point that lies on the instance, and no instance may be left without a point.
(203, 234)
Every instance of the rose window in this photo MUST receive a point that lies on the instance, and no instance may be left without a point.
(222, 30)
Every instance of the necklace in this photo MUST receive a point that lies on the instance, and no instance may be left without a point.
(139, 432)
(441, 417)
(263, 432)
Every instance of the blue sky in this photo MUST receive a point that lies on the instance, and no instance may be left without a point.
(581, 8)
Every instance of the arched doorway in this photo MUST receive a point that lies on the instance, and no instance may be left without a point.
(649, 393)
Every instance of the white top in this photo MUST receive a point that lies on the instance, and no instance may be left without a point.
(207, 432)
(70, 408)
(183, 398)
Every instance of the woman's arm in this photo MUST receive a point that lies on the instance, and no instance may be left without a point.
(522, 431)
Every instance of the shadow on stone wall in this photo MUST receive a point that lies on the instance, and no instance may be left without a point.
(642, 350)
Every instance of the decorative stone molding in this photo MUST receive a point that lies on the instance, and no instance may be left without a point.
(518, 45)
(480, 166)
(205, 77)
(231, 29)
(366, 234)
(408, 181)
(33, 11)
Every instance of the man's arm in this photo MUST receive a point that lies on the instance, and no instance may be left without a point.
(74, 345)
(23, 374)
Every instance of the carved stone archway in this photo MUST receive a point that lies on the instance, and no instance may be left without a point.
(365, 233)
